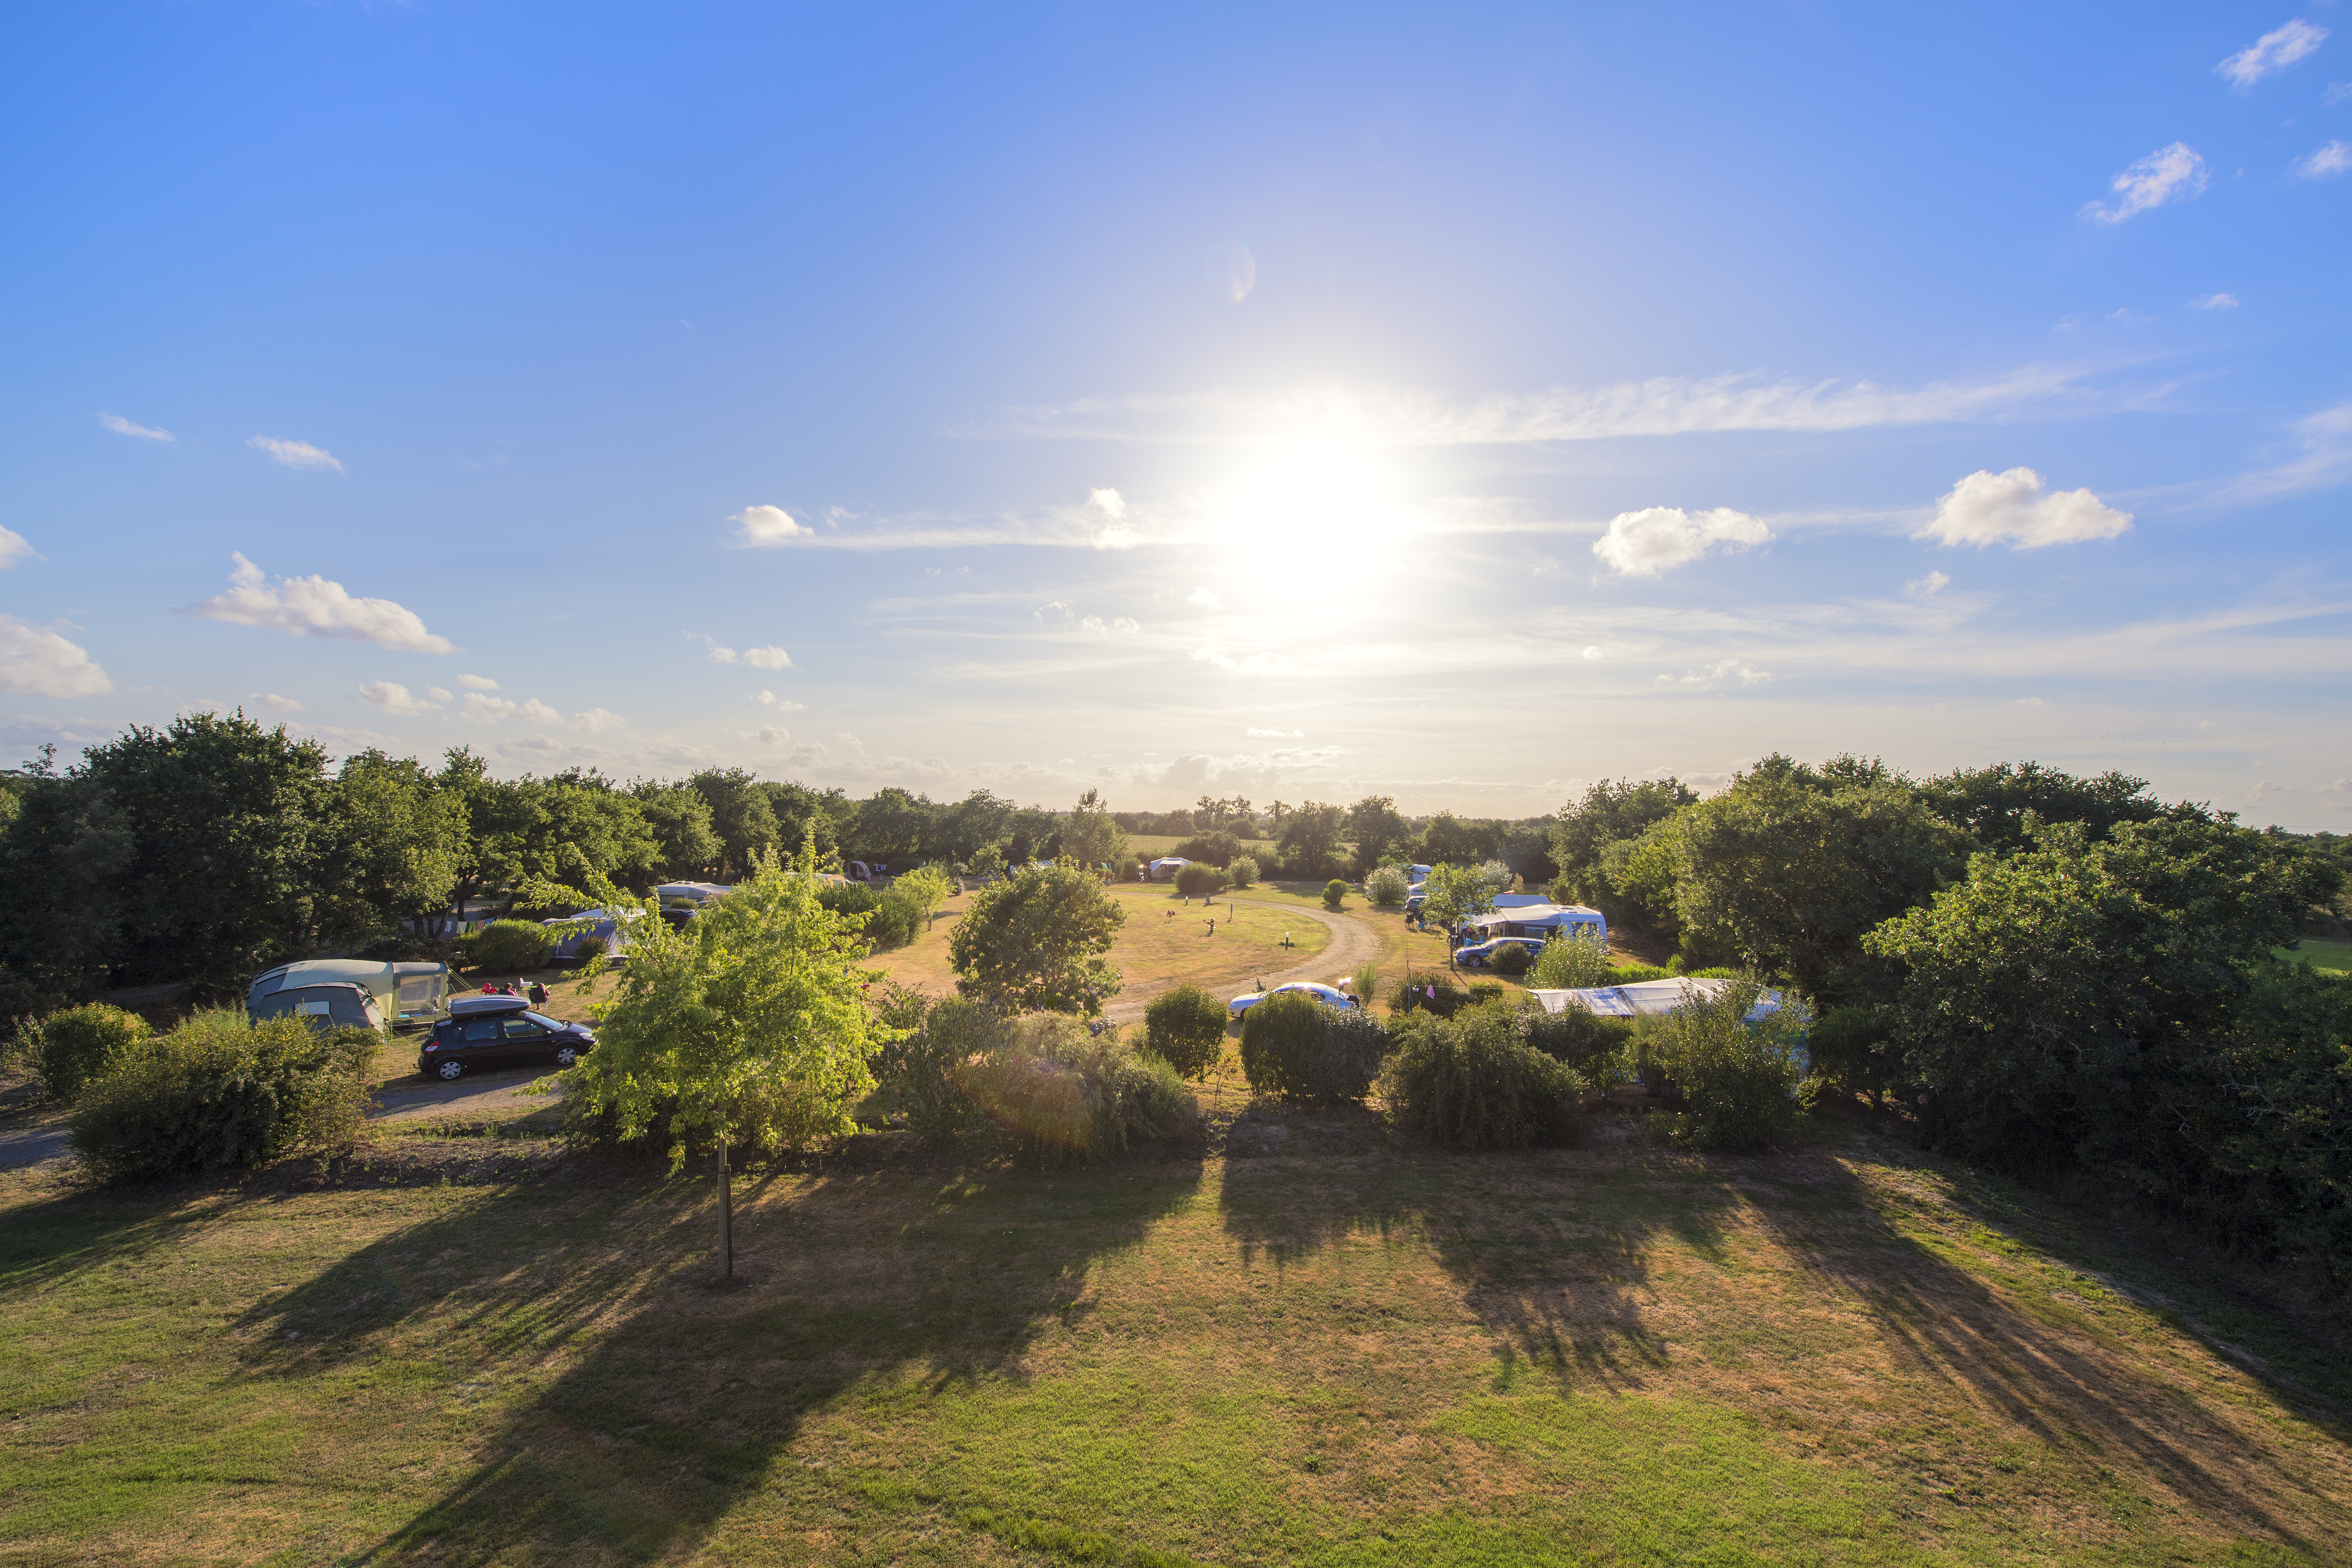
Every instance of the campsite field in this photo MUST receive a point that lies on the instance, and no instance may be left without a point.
(2320, 952)
(1332, 1350)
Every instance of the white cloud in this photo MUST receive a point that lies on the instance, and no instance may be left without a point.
(781, 705)
(1739, 669)
(1205, 598)
(1594, 652)
(1095, 625)
(121, 426)
(1249, 664)
(37, 662)
(312, 606)
(1110, 503)
(1278, 735)
(2214, 302)
(477, 682)
(2169, 174)
(13, 548)
(2263, 787)
(480, 708)
(2333, 158)
(281, 704)
(769, 657)
(393, 698)
(438, 693)
(773, 735)
(537, 712)
(2011, 507)
(1659, 538)
(1927, 587)
(768, 525)
(2274, 51)
(1056, 614)
(297, 454)
(596, 721)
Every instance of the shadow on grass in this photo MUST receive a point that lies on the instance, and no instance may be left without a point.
(657, 1402)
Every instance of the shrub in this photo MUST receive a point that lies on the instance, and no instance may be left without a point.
(1218, 848)
(1198, 880)
(218, 1091)
(1574, 962)
(920, 1074)
(1186, 1029)
(1365, 983)
(1388, 887)
(1598, 1049)
(1243, 870)
(1849, 1049)
(1335, 893)
(76, 1048)
(1476, 1083)
(1294, 1047)
(1513, 960)
(848, 898)
(506, 945)
(1738, 1079)
(1061, 1096)
(896, 919)
(589, 949)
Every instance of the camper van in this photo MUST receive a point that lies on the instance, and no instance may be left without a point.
(352, 991)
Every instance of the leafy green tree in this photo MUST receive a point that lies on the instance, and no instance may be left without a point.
(1388, 887)
(1451, 893)
(739, 813)
(803, 813)
(747, 1025)
(1999, 804)
(393, 842)
(1335, 893)
(959, 833)
(1090, 837)
(64, 856)
(926, 891)
(1380, 834)
(224, 819)
(1575, 962)
(1738, 1077)
(894, 825)
(1309, 837)
(684, 831)
(1613, 813)
(1033, 942)
(1449, 837)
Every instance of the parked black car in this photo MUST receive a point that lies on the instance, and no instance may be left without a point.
(483, 1033)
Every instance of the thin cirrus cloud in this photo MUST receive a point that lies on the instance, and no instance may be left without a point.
(295, 454)
(37, 662)
(314, 607)
(1662, 405)
(2017, 509)
(121, 426)
(2173, 174)
(2214, 302)
(2330, 158)
(2273, 52)
(1661, 538)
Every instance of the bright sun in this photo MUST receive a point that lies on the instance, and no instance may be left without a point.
(1324, 506)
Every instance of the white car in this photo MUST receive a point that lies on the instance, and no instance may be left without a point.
(1329, 995)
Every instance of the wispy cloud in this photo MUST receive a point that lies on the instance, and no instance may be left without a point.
(13, 548)
(121, 426)
(1716, 674)
(271, 701)
(2273, 52)
(2173, 174)
(1207, 599)
(2326, 459)
(2012, 509)
(1928, 587)
(2331, 158)
(297, 454)
(37, 662)
(315, 607)
(2214, 302)
(1660, 537)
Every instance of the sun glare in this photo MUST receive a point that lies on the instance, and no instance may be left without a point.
(1328, 507)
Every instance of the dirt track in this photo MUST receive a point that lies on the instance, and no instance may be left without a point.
(1352, 944)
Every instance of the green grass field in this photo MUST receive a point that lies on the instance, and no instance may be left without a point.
(1344, 1352)
(2321, 953)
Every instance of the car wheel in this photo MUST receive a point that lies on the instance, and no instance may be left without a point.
(449, 1071)
(565, 1056)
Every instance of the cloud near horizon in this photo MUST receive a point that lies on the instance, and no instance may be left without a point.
(315, 607)
(1660, 537)
(2011, 508)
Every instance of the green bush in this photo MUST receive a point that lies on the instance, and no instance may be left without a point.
(1218, 848)
(1244, 871)
(1335, 893)
(589, 949)
(920, 1075)
(1596, 1048)
(1737, 1079)
(1186, 1028)
(1060, 1096)
(1475, 1082)
(1513, 960)
(848, 898)
(76, 1048)
(218, 1092)
(1433, 991)
(1574, 962)
(898, 918)
(1199, 880)
(1295, 1047)
(1388, 887)
(1849, 1049)
(504, 945)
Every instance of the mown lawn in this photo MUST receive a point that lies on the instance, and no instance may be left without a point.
(2320, 952)
(1343, 1352)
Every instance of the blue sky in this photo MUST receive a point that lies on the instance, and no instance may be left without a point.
(1454, 404)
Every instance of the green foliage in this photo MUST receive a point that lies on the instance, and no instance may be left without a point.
(1999, 807)
(921, 1071)
(1596, 1048)
(906, 906)
(391, 844)
(1737, 1079)
(74, 1047)
(1059, 1096)
(1612, 815)
(1576, 961)
(1310, 836)
(1297, 1048)
(685, 832)
(1475, 1082)
(218, 1092)
(1850, 1049)
(1456, 893)
(1335, 894)
(1512, 959)
(1378, 832)
(65, 852)
(1035, 942)
(504, 945)
(741, 815)
(1388, 887)
(847, 898)
(1218, 848)
(1090, 837)
(748, 1025)
(1199, 880)
(1186, 1028)
(1244, 871)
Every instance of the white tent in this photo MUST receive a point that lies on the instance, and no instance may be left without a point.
(1647, 998)
(1167, 866)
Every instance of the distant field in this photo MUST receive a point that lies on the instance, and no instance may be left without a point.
(2321, 953)
(1150, 846)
